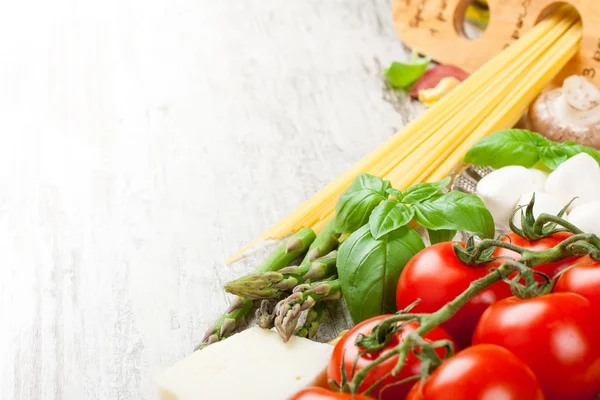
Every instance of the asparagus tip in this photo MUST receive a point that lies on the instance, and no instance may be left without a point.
(264, 315)
(207, 342)
(320, 289)
(313, 255)
(293, 244)
(227, 326)
(316, 270)
(292, 270)
(256, 286)
(235, 304)
(308, 303)
(287, 313)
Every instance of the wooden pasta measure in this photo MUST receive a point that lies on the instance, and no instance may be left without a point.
(436, 28)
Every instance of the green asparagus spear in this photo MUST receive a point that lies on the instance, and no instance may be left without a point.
(281, 257)
(288, 310)
(264, 314)
(227, 322)
(314, 319)
(325, 242)
(288, 251)
(268, 285)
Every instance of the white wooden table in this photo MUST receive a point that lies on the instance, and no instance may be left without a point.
(145, 141)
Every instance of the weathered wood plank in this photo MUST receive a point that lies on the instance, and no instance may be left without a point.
(143, 142)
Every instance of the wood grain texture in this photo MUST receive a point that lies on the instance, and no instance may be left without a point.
(436, 29)
(142, 143)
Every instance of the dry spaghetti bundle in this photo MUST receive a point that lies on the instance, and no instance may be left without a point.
(495, 97)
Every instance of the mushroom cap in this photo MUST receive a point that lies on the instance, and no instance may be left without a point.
(571, 112)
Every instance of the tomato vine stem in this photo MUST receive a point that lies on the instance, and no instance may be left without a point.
(573, 245)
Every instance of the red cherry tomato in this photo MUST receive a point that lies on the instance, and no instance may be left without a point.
(345, 352)
(436, 276)
(555, 334)
(583, 278)
(317, 393)
(550, 269)
(484, 371)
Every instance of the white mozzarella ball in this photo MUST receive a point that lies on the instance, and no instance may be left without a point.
(501, 189)
(579, 177)
(586, 217)
(544, 204)
(540, 178)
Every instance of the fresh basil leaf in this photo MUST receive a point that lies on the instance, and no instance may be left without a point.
(355, 205)
(422, 191)
(583, 149)
(372, 182)
(456, 211)
(507, 147)
(388, 216)
(353, 209)
(441, 235)
(369, 269)
(555, 154)
(395, 192)
(401, 75)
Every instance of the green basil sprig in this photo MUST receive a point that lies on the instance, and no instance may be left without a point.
(420, 192)
(525, 148)
(389, 216)
(369, 269)
(367, 200)
(393, 214)
(371, 259)
(358, 201)
(456, 211)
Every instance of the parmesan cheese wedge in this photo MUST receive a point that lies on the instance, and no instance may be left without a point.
(253, 365)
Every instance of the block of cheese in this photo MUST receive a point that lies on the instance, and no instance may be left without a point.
(253, 365)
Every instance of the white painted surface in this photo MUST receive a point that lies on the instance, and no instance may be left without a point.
(142, 143)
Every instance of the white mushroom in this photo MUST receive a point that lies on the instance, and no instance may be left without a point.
(579, 177)
(501, 189)
(544, 204)
(571, 112)
(586, 217)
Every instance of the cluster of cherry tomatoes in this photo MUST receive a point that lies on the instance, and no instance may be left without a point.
(544, 347)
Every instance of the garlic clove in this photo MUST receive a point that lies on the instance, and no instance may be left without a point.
(586, 217)
(579, 177)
